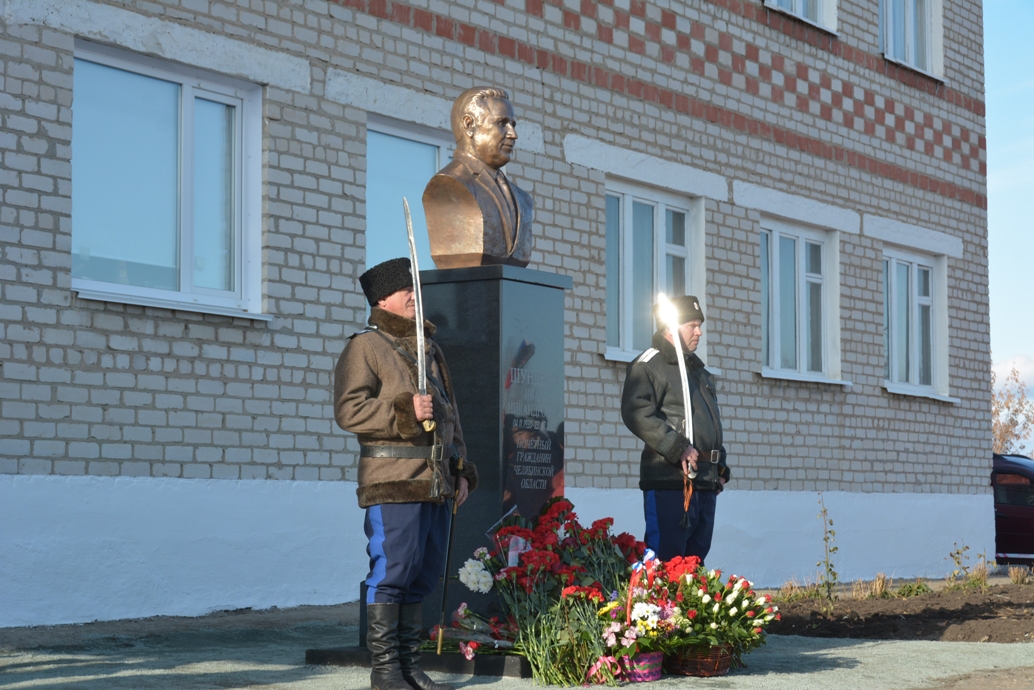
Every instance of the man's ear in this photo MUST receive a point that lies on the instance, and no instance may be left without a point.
(468, 124)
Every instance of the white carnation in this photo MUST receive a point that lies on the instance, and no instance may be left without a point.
(476, 577)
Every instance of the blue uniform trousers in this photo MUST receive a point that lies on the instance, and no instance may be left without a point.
(406, 546)
(663, 509)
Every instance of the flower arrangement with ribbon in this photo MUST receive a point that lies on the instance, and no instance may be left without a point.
(645, 614)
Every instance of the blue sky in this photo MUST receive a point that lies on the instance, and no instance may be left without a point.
(1008, 57)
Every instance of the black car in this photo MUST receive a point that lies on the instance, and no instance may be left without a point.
(1012, 477)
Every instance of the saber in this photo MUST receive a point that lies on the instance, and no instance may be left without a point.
(448, 561)
(666, 310)
(418, 298)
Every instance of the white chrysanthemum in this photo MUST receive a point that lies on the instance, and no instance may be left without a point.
(475, 576)
(645, 612)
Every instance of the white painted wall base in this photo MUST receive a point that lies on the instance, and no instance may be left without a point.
(772, 536)
(78, 549)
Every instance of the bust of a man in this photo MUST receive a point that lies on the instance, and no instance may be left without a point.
(475, 216)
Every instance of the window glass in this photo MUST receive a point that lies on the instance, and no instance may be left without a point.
(642, 275)
(613, 270)
(213, 195)
(902, 325)
(125, 177)
(921, 24)
(766, 296)
(787, 303)
(814, 327)
(924, 282)
(675, 227)
(897, 32)
(886, 319)
(925, 347)
(1013, 489)
(396, 167)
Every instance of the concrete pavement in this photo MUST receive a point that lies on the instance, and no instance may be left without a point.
(263, 650)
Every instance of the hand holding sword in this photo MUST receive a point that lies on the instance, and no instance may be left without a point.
(420, 407)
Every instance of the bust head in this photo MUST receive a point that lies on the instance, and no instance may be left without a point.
(484, 125)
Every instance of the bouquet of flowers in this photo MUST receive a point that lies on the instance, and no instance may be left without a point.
(719, 613)
(644, 615)
(550, 577)
(470, 632)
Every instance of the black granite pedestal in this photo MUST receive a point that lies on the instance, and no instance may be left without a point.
(502, 331)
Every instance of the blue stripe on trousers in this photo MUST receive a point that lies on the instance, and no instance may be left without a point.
(407, 550)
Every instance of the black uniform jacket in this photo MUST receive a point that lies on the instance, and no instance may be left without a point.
(652, 408)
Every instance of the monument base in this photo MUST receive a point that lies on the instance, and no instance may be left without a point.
(491, 665)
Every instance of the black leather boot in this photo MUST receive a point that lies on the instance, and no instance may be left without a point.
(411, 625)
(382, 639)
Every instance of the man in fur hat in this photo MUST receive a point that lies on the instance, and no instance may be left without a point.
(652, 408)
(405, 472)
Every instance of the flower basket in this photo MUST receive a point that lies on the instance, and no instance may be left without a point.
(699, 660)
(642, 667)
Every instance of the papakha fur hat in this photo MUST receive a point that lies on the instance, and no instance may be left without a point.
(386, 278)
(688, 308)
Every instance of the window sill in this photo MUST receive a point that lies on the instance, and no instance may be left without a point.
(919, 392)
(805, 20)
(787, 375)
(99, 294)
(612, 354)
(913, 68)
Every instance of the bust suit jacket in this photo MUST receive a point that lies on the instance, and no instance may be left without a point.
(469, 222)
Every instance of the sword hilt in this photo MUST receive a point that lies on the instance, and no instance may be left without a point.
(429, 425)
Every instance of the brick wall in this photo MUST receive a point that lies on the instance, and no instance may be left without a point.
(724, 86)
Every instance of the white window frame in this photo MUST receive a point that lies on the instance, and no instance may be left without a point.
(421, 134)
(827, 14)
(935, 40)
(245, 300)
(937, 301)
(693, 252)
(829, 240)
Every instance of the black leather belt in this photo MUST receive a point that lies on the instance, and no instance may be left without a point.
(425, 452)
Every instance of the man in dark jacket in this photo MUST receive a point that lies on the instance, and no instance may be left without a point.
(653, 409)
(405, 472)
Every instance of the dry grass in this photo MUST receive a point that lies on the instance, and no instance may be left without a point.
(792, 590)
(878, 588)
(1019, 575)
(978, 576)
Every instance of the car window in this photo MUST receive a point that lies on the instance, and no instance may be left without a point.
(1013, 489)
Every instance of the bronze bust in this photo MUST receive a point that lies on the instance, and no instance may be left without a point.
(475, 216)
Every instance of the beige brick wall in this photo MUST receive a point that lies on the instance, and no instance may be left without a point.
(723, 86)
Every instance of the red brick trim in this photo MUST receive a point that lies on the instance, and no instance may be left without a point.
(822, 40)
(955, 146)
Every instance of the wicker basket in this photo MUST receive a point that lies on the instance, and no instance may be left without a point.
(642, 668)
(699, 660)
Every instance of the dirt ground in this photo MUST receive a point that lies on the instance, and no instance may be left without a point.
(999, 613)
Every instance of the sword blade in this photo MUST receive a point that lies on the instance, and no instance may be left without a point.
(668, 314)
(418, 298)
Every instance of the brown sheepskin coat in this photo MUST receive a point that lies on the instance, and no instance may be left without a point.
(374, 387)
